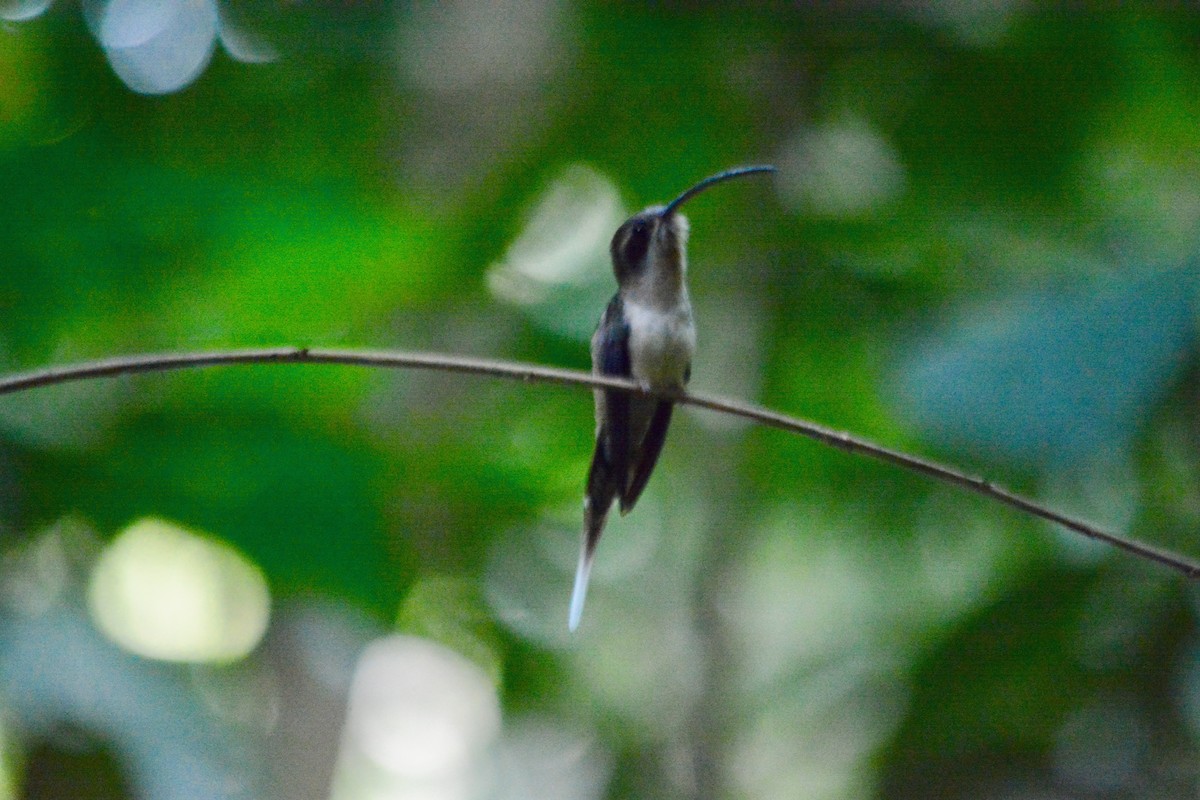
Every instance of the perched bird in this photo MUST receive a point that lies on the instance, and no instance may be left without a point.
(647, 334)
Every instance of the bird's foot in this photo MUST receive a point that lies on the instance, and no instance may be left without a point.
(672, 392)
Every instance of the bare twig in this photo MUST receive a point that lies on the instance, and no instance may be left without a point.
(161, 362)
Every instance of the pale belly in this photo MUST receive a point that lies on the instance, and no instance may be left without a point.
(661, 346)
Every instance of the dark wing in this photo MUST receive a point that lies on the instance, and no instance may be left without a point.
(614, 360)
(610, 463)
(652, 445)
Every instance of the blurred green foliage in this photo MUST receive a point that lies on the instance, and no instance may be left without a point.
(982, 247)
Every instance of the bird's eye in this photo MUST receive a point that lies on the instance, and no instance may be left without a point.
(637, 243)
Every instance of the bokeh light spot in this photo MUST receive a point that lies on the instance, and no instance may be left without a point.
(421, 723)
(565, 238)
(841, 168)
(449, 46)
(242, 41)
(20, 10)
(129, 23)
(164, 592)
(162, 50)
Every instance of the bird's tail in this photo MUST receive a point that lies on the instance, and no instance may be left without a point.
(602, 489)
(593, 526)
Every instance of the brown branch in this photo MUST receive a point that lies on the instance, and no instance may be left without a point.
(161, 362)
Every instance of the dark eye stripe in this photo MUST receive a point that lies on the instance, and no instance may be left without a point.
(637, 243)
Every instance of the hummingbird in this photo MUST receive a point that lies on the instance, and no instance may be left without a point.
(647, 334)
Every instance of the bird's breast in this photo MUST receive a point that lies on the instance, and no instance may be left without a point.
(661, 344)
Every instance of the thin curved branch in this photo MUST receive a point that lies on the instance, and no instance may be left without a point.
(161, 362)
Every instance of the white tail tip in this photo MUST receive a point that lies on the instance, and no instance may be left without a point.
(579, 594)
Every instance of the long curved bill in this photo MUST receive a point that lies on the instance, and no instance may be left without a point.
(720, 177)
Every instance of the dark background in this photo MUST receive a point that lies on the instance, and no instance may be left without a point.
(981, 248)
